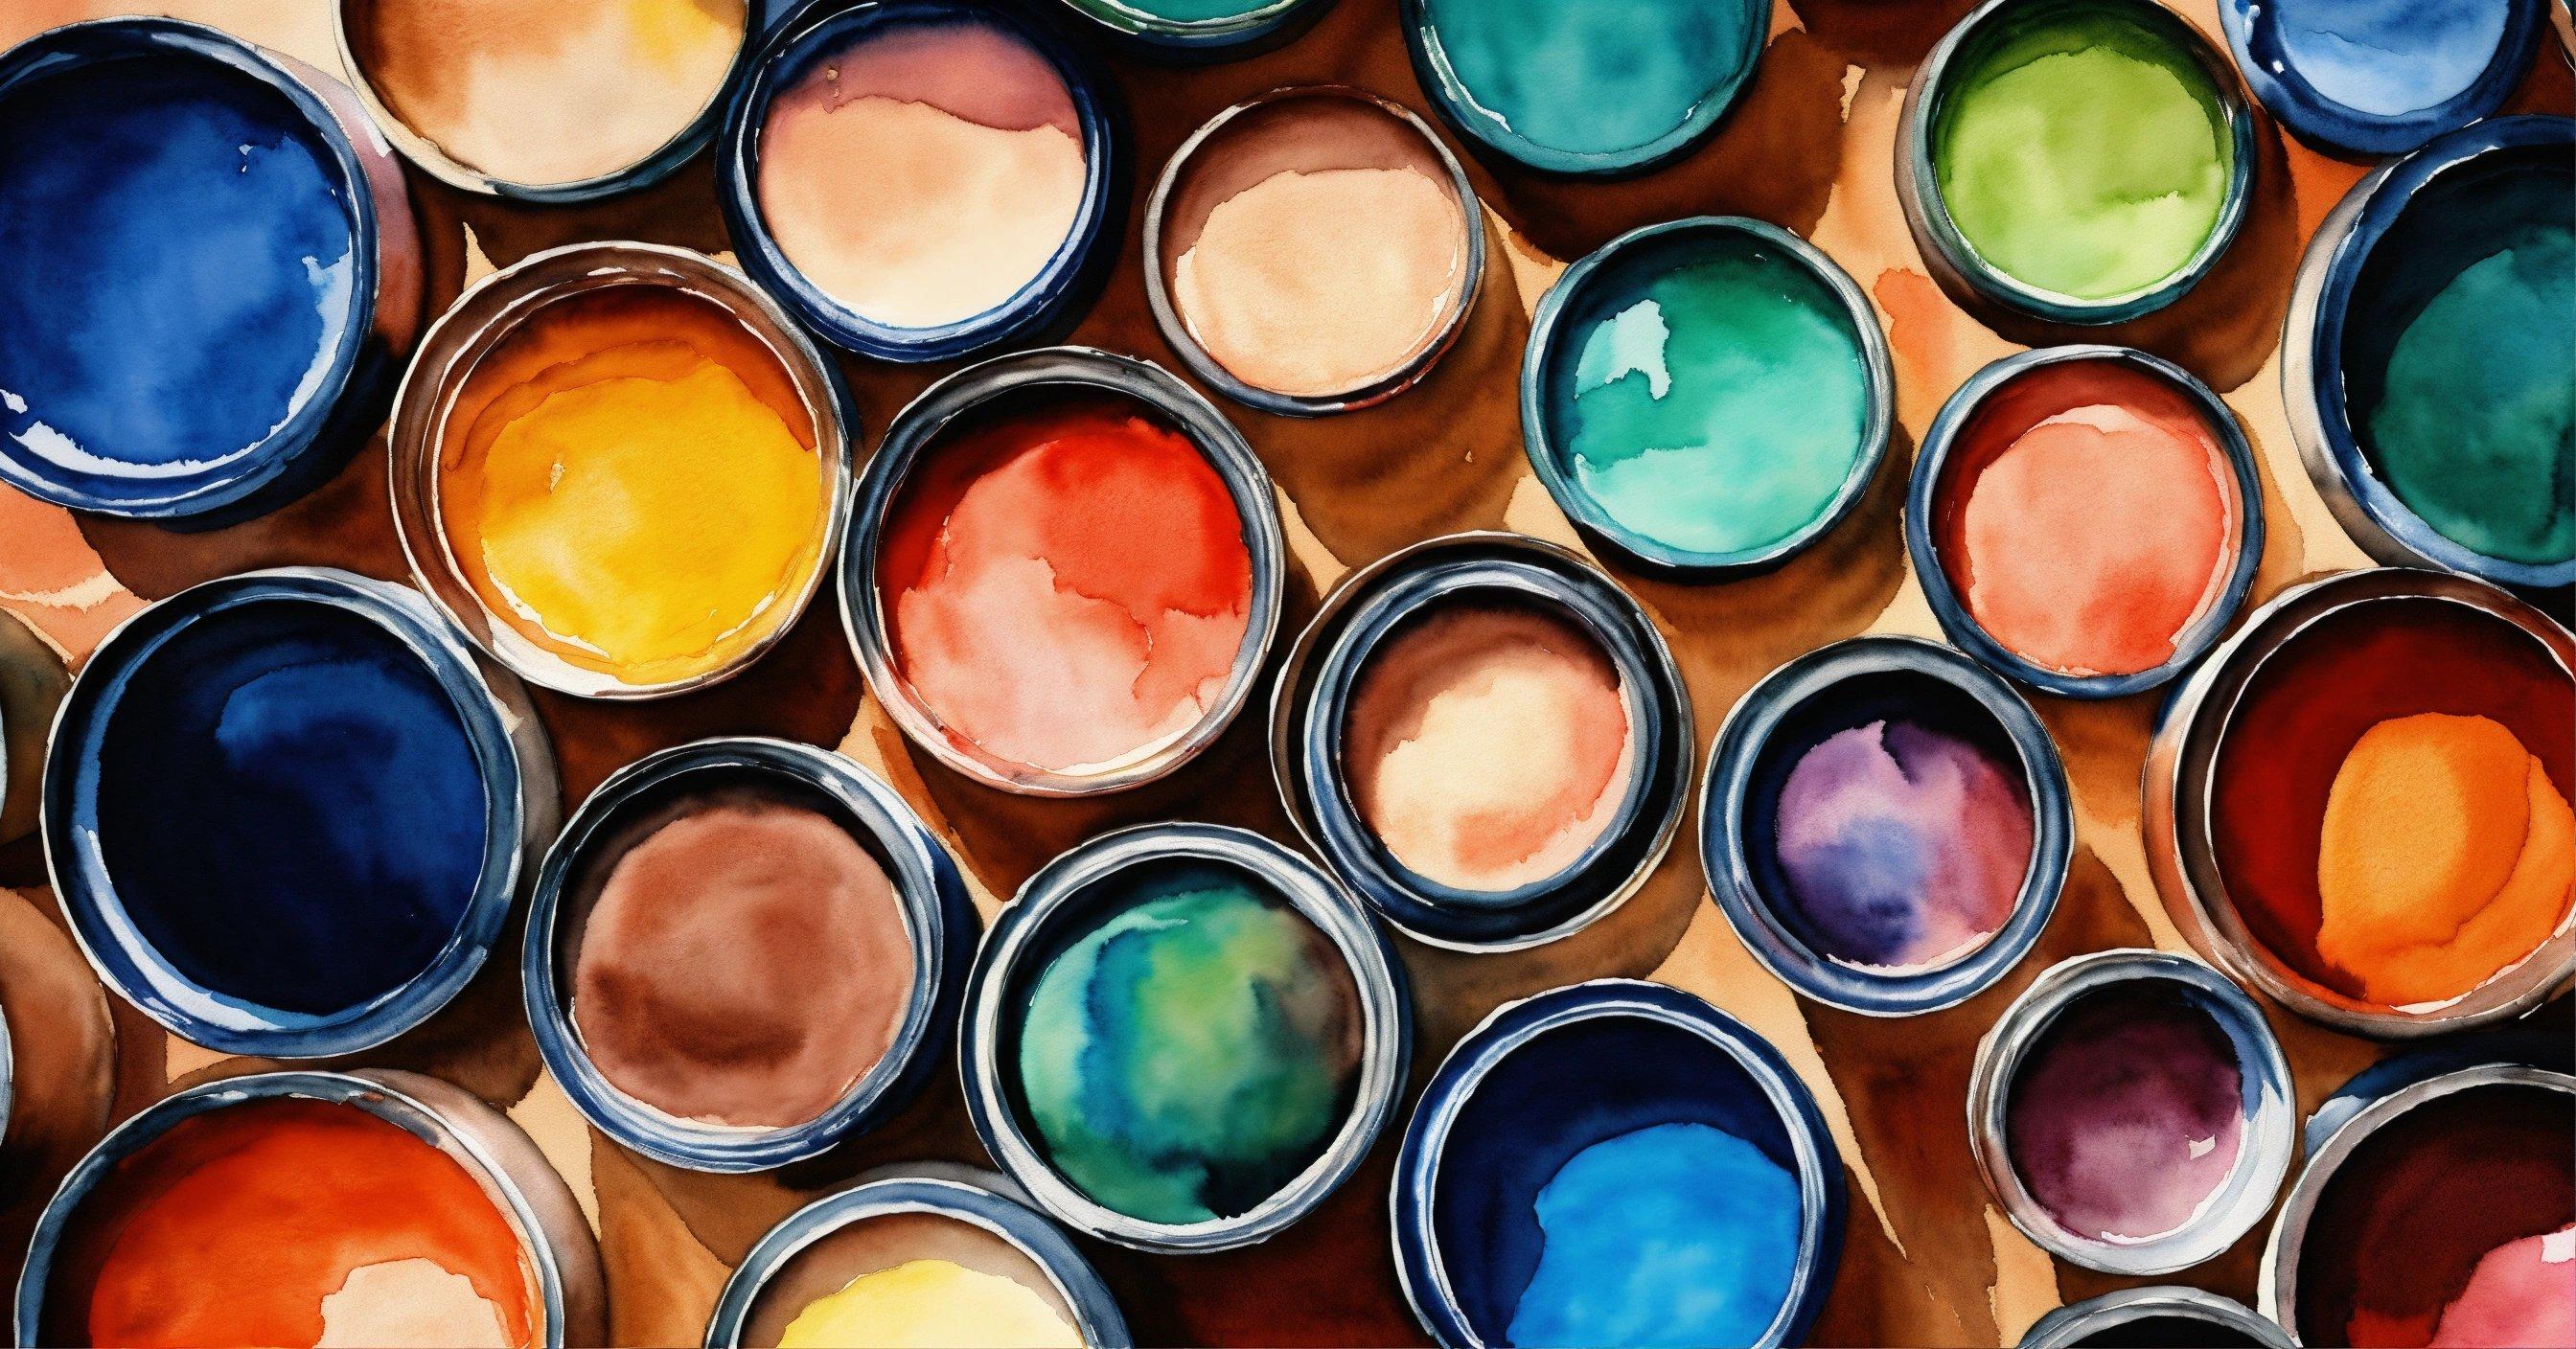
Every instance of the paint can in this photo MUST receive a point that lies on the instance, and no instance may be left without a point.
(2171, 1314)
(1248, 29)
(2370, 82)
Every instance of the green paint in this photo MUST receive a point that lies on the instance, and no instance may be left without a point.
(1177, 11)
(2475, 428)
(1710, 395)
(2081, 150)
(1186, 1059)
(1596, 77)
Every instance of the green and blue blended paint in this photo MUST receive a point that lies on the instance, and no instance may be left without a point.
(1189, 1057)
(1708, 393)
(1609, 80)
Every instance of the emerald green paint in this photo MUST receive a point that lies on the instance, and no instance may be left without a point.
(2081, 149)
(1178, 11)
(1193, 1054)
(1707, 394)
(2475, 429)
(1595, 77)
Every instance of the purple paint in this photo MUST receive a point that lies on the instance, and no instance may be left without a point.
(1904, 848)
(2127, 1114)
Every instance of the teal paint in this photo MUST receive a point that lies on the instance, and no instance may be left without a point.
(1707, 393)
(1187, 1058)
(1558, 82)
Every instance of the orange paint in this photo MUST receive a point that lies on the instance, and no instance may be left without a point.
(236, 1225)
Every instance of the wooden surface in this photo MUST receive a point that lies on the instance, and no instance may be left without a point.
(1929, 1259)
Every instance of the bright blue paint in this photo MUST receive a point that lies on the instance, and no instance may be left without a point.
(2390, 57)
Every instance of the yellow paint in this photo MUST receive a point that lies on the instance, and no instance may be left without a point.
(926, 1303)
(2447, 855)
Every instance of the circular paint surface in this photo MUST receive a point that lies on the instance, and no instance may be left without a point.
(1487, 743)
(1573, 80)
(1889, 826)
(1257, 258)
(289, 808)
(2390, 809)
(923, 174)
(629, 483)
(2164, 1332)
(2453, 1224)
(290, 1222)
(744, 959)
(2087, 517)
(181, 273)
(1193, 1050)
(1706, 393)
(546, 94)
(2388, 58)
(2081, 148)
(2456, 350)
(1065, 583)
(2126, 1114)
(903, 1280)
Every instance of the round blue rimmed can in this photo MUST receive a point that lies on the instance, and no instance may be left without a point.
(2380, 79)
(1841, 942)
(805, 48)
(1573, 1131)
(939, 922)
(1189, 33)
(215, 273)
(310, 753)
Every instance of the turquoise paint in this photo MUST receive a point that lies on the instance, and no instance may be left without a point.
(1190, 1056)
(1609, 78)
(1708, 394)
(1675, 1234)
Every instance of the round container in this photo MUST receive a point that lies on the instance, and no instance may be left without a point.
(1989, 418)
(1281, 338)
(2411, 1193)
(1826, 406)
(1543, 1084)
(2373, 81)
(321, 628)
(2022, 1042)
(2141, 51)
(2248, 745)
(264, 367)
(954, 50)
(2171, 1315)
(32, 680)
(1203, 30)
(636, 88)
(938, 919)
(2439, 269)
(1076, 896)
(1026, 385)
(560, 1257)
(1484, 578)
(1603, 88)
(593, 301)
(1070, 1277)
(1807, 729)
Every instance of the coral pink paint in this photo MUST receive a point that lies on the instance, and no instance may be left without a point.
(2521, 1293)
(2088, 517)
(1065, 585)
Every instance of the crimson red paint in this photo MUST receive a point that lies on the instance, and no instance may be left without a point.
(2315, 697)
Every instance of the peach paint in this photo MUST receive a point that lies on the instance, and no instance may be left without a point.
(2088, 517)
(876, 1244)
(924, 175)
(291, 1222)
(1487, 744)
(1066, 585)
(746, 963)
(546, 94)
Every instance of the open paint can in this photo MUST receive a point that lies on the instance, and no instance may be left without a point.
(2169, 1317)
(2370, 79)
(1193, 31)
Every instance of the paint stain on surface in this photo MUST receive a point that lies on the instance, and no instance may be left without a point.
(1590, 77)
(629, 482)
(2127, 1114)
(1023, 605)
(290, 1222)
(1191, 1055)
(928, 1304)
(857, 1252)
(926, 173)
(546, 94)
(746, 962)
(1487, 744)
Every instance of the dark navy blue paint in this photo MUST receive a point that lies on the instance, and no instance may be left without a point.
(2381, 76)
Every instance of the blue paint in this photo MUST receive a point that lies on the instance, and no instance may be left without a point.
(289, 807)
(2381, 76)
(1676, 1234)
(181, 277)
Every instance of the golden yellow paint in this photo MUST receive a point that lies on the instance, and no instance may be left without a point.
(630, 485)
(2447, 855)
(925, 1303)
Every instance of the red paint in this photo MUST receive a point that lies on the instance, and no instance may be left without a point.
(233, 1226)
(1066, 584)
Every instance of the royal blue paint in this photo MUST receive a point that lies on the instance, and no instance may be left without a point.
(183, 274)
(2381, 76)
